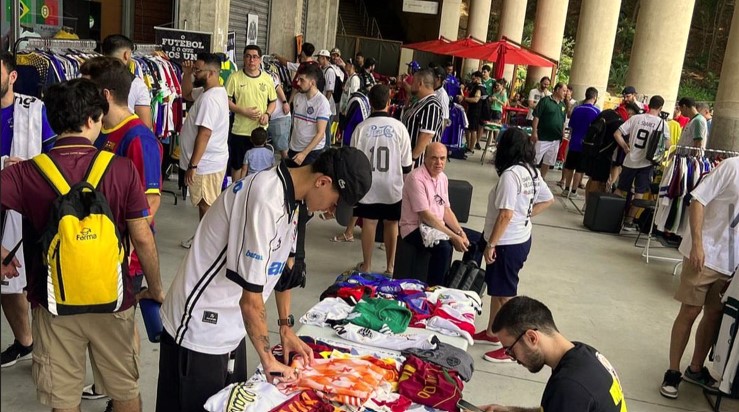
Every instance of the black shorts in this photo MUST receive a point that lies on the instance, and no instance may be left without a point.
(574, 161)
(496, 115)
(640, 178)
(486, 113)
(502, 275)
(238, 145)
(473, 121)
(378, 211)
(598, 168)
(188, 378)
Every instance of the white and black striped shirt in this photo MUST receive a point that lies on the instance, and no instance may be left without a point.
(423, 116)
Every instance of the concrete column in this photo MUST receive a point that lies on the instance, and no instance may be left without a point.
(512, 18)
(657, 56)
(449, 14)
(477, 27)
(596, 34)
(549, 29)
(406, 56)
(208, 16)
(282, 31)
(320, 30)
(725, 128)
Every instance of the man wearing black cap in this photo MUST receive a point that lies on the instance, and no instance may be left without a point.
(238, 258)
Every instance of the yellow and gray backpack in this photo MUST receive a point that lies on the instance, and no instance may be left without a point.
(84, 252)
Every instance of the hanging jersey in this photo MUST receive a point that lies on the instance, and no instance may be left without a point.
(244, 240)
(387, 144)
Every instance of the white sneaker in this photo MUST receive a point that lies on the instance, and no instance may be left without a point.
(565, 192)
(187, 244)
(574, 196)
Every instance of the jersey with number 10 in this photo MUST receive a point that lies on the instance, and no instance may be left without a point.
(638, 128)
(387, 144)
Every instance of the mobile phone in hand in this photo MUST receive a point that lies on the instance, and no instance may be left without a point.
(468, 406)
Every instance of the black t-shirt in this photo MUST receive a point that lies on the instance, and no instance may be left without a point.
(474, 109)
(584, 381)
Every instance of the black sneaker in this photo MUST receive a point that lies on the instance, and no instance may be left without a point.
(16, 352)
(477, 146)
(702, 379)
(109, 406)
(670, 383)
(88, 392)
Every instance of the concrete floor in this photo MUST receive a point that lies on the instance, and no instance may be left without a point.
(599, 288)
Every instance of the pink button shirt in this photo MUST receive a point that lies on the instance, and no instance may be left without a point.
(422, 192)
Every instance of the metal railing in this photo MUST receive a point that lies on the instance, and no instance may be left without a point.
(371, 28)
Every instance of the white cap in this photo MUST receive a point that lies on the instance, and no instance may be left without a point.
(324, 53)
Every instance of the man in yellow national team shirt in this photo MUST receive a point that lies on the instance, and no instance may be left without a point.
(252, 99)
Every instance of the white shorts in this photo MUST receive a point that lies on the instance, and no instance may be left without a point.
(546, 152)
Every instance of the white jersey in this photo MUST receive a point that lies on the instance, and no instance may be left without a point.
(517, 190)
(306, 115)
(443, 97)
(138, 95)
(719, 193)
(210, 110)
(387, 144)
(638, 128)
(242, 243)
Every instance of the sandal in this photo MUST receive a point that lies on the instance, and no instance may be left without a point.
(358, 267)
(327, 216)
(342, 238)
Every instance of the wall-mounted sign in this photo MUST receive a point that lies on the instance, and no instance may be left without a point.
(252, 26)
(182, 45)
(420, 6)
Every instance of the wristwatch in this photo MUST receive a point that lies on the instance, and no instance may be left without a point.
(290, 321)
(191, 166)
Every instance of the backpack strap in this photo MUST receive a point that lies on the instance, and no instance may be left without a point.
(98, 167)
(51, 173)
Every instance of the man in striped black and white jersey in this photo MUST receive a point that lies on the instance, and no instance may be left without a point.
(424, 118)
(239, 253)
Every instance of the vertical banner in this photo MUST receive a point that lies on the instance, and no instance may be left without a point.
(181, 45)
(252, 24)
(231, 46)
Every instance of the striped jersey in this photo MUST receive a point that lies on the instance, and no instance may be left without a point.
(242, 243)
(423, 116)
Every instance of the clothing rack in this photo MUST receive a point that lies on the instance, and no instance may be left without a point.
(55, 44)
(678, 150)
(147, 48)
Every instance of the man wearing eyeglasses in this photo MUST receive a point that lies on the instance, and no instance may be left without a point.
(252, 98)
(426, 203)
(582, 378)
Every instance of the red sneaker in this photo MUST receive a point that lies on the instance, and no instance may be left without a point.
(483, 337)
(497, 356)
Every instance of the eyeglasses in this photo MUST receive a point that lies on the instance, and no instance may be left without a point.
(509, 350)
(251, 56)
(439, 200)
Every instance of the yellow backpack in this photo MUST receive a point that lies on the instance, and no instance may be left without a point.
(83, 247)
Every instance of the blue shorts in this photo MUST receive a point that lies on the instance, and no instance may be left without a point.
(502, 275)
(279, 132)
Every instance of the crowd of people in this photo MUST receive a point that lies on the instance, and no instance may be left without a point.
(250, 242)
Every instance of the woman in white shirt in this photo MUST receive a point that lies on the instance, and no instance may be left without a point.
(520, 194)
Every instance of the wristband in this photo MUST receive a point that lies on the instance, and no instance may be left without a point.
(192, 166)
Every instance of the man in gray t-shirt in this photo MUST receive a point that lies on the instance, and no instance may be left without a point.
(695, 133)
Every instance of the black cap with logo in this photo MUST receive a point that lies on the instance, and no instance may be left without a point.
(353, 174)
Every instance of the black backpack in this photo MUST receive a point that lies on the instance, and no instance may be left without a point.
(466, 276)
(338, 85)
(597, 142)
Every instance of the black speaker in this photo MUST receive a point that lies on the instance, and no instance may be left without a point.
(604, 213)
(460, 197)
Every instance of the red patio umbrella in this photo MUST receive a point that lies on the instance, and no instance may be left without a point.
(463, 44)
(429, 45)
(503, 52)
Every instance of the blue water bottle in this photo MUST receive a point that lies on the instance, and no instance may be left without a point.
(152, 319)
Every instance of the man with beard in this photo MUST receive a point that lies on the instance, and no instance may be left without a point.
(204, 136)
(311, 113)
(582, 378)
(21, 140)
